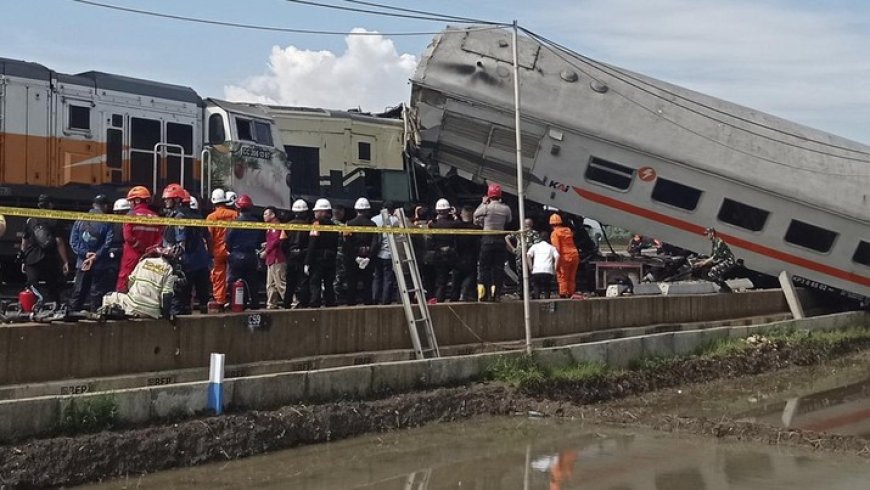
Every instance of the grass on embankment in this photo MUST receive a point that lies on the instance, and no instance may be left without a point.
(525, 372)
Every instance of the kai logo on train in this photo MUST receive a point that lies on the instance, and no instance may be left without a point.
(646, 174)
(559, 186)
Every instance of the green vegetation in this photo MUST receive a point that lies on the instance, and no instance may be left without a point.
(525, 371)
(91, 415)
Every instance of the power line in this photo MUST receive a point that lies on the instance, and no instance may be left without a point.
(434, 17)
(622, 76)
(421, 12)
(561, 52)
(237, 25)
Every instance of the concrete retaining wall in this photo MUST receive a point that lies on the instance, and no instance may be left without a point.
(27, 417)
(37, 353)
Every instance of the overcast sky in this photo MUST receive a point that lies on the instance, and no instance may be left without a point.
(803, 60)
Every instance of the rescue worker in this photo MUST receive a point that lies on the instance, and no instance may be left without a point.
(358, 253)
(116, 248)
(562, 238)
(231, 198)
(193, 204)
(321, 257)
(465, 270)
(191, 248)
(295, 251)
(276, 263)
(138, 237)
(242, 245)
(339, 217)
(443, 248)
(384, 287)
(44, 255)
(90, 242)
(721, 259)
(222, 212)
(492, 214)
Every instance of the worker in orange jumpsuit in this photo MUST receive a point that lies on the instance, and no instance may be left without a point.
(223, 212)
(138, 238)
(569, 258)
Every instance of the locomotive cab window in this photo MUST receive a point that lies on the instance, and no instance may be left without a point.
(810, 236)
(216, 133)
(676, 194)
(244, 129)
(862, 254)
(609, 173)
(742, 215)
(256, 131)
(263, 133)
(79, 118)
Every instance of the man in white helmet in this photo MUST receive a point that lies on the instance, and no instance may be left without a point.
(295, 251)
(321, 256)
(384, 287)
(441, 251)
(223, 211)
(358, 254)
(231, 198)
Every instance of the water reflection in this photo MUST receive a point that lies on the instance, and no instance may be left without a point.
(522, 454)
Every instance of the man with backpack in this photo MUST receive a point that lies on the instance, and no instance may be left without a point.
(44, 254)
(91, 242)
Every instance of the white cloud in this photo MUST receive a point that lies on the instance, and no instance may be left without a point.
(804, 63)
(369, 74)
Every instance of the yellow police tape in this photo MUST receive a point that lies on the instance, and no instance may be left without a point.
(245, 225)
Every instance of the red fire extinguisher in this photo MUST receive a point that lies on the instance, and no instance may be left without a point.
(237, 299)
(27, 300)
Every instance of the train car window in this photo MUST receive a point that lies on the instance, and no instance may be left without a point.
(365, 151)
(180, 134)
(742, 215)
(117, 120)
(243, 128)
(862, 254)
(264, 133)
(216, 133)
(609, 173)
(114, 148)
(810, 236)
(676, 194)
(79, 118)
(144, 133)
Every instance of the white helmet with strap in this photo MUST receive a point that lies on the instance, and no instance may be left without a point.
(362, 203)
(299, 206)
(121, 204)
(442, 205)
(322, 205)
(218, 196)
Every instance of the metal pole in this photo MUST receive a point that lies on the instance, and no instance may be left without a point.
(524, 246)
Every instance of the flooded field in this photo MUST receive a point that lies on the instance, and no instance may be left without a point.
(507, 453)
(833, 398)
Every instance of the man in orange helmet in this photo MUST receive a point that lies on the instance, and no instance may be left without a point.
(223, 211)
(569, 258)
(137, 237)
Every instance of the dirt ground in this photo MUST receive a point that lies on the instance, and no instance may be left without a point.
(93, 457)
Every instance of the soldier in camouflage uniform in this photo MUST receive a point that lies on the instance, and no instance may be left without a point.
(339, 218)
(721, 258)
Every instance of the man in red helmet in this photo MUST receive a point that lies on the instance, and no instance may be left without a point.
(243, 245)
(492, 214)
(137, 237)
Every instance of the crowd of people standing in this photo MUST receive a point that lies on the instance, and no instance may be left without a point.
(306, 268)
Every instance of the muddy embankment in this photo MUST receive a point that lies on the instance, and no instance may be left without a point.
(91, 457)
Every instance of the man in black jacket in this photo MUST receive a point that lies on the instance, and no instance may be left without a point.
(242, 245)
(321, 257)
(442, 249)
(359, 251)
(295, 252)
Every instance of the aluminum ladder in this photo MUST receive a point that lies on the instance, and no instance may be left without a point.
(412, 295)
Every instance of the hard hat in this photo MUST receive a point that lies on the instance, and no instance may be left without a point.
(322, 205)
(244, 202)
(187, 197)
(299, 206)
(231, 197)
(442, 205)
(174, 191)
(555, 219)
(121, 205)
(494, 191)
(218, 196)
(362, 203)
(194, 203)
(101, 199)
(139, 192)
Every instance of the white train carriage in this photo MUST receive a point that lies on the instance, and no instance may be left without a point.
(646, 155)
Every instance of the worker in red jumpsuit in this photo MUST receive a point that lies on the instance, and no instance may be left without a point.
(569, 258)
(138, 237)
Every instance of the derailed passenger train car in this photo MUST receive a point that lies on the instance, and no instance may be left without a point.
(647, 155)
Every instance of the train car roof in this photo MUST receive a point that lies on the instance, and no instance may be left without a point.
(101, 81)
(357, 116)
(246, 108)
